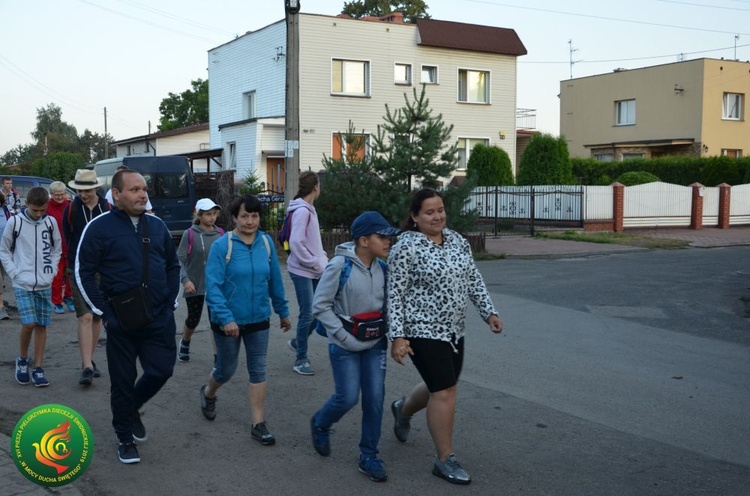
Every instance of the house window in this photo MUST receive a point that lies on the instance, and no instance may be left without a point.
(731, 153)
(604, 157)
(429, 74)
(473, 86)
(231, 156)
(625, 113)
(631, 156)
(465, 146)
(732, 107)
(350, 147)
(402, 73)
(350, 77)
(248, 105)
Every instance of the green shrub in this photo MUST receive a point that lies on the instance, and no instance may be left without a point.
(633, 178)
(719, 170)
(545, 161)
(491, 166)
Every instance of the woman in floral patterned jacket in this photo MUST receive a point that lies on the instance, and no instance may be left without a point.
(431, 275)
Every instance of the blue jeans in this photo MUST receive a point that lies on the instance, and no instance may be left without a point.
(228, 351)
(304, 287)
(353, 371)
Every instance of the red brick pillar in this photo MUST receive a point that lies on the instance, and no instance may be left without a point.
(725, 193)
(618, 207)
(696, 211)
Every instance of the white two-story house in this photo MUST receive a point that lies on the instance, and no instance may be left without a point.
(348, 71)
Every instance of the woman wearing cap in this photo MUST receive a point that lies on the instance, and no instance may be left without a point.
(431, 275)
(192, 253)
(352, 289)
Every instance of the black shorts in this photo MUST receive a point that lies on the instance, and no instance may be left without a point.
(438, 362)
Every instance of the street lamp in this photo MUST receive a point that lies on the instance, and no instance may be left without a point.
(292, 6)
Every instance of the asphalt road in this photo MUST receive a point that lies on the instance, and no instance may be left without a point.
(624, 374)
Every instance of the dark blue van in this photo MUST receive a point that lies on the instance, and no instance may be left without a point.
(170, 186)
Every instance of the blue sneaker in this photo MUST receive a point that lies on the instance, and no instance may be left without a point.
(39, 379)
(321, 438)
(69, 303)
(373, 468)
(22, 371)
(451, 470)
(59, 309)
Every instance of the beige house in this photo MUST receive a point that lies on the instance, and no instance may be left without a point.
(349, 70)
(695, 107)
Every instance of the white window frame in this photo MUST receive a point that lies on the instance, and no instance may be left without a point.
(407, 72)
(463, 80)
(731, 152)
(463, 161)
(431, 69)
(625, 112)
(367, 138)
(732, 106)
(231, 155)
(346, 73)
(249, 103)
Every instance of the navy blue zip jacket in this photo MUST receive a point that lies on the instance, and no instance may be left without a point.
(112, 247)
(79, 215)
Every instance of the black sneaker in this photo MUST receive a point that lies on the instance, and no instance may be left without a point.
(401, 423)
(97, 373)
(87, 377)
(451, 471)
(208, 405)
(260, 433)
(373, 468)
(321, 438)
(184, 354)
(128, 453)
(139, 430)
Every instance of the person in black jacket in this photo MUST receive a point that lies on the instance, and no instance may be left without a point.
(111, 248)
(76, 216)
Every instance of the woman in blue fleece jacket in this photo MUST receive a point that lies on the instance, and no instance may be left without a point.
(242, 274)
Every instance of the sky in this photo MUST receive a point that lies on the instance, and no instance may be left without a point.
(128, 55)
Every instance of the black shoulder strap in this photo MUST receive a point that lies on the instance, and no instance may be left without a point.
(16, 220)
(146, 241)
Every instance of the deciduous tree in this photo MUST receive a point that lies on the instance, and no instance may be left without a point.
(412, 9)
(185, 109)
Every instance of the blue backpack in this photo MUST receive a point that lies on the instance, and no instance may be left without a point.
(286, 232)
(346, 271)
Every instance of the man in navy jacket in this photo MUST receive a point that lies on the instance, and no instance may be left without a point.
(111, 250)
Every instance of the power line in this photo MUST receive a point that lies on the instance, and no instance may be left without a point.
(183, 20)
(704, 5)
(590, 16)
(149, 23)
(671, 55)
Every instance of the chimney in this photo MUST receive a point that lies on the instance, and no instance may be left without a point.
(394, 18)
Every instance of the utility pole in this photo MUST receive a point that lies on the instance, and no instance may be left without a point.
(291, 114)
(106, 139)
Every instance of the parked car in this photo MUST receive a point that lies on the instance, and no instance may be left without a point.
(23, 184)
(170, 186)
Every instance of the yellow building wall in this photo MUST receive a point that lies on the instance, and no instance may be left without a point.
(723, 76)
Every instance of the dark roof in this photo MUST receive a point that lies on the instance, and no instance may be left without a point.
(447, 34)
(164, 134)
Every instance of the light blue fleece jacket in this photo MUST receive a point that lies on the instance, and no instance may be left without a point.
(240, 290)
(364, 291)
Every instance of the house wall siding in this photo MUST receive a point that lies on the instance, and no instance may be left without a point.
(725, 76)
(383, 45)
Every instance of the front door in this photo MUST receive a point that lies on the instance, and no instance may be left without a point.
(275, 174)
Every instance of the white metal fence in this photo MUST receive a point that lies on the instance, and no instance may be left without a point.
(656, 204)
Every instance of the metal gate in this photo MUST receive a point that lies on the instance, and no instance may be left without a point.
(522, 210)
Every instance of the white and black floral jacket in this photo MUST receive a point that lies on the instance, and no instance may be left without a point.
(429, 285)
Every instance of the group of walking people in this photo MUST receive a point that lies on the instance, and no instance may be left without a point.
(414, 293)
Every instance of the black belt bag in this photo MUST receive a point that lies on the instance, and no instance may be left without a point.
(366, 326)
(132, 309)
